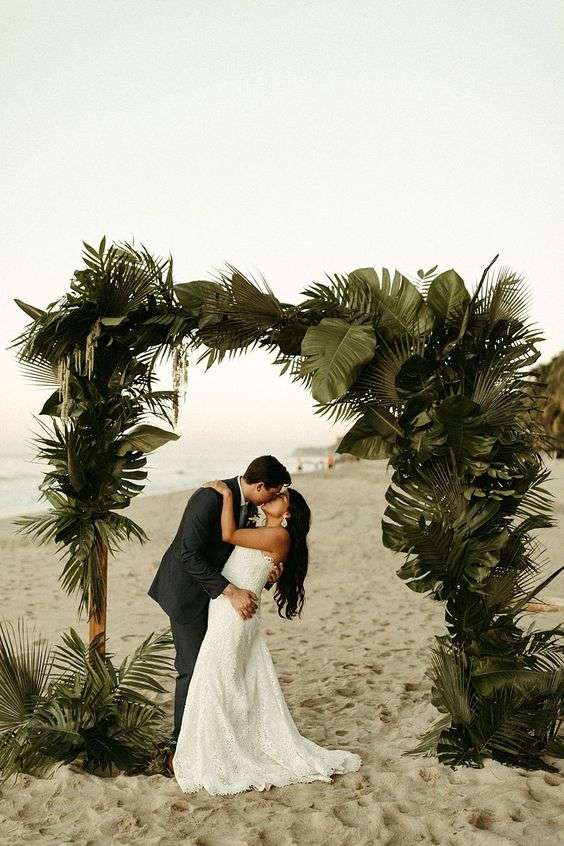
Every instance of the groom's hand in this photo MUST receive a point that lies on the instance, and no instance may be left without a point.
(243, 601)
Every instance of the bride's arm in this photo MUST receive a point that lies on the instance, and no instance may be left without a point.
(273, 540)
(228, 524)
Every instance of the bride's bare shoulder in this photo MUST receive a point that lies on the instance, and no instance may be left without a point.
(279, 543)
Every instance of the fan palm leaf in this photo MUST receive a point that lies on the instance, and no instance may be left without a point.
(428, 742)
(451, 682)
(504, 297)
(399, 307)
(41, 372)
(25, 665)
(71, 703)
(140, 671)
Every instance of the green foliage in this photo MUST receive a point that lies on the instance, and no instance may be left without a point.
(69, 703)
(334, 353)
(432, 377)
(447, 296)
(232, 313)
(99, 345)
(397, 307)
(143, 438)
(503, 706)
(373, 436)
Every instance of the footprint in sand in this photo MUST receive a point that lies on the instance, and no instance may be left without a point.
(428, 774)
(315, 702)
(348, 814)
(387, 716)
(483, 819)
(348, 692)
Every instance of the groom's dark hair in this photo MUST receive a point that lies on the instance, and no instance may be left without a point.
(268, 470)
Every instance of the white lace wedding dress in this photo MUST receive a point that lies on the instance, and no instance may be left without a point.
(237, 732)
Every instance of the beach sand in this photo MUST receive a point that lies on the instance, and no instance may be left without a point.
(353, 671)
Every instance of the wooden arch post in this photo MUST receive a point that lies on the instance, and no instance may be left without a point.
(97, 622)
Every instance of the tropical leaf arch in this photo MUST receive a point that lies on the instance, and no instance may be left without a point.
(432, 376)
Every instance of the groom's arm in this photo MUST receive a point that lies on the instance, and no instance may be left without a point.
(202, 514)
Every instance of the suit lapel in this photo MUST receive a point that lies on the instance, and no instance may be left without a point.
(234, 485)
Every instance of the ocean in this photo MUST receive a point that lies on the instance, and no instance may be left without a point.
(181, 465)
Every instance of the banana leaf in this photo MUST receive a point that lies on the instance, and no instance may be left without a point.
(447, 296)
(335, 352)
(144, 438)
(372, 436)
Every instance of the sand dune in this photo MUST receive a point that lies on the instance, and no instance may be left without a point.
(353, 673)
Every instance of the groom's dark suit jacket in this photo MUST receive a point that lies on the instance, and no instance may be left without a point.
(189, 574)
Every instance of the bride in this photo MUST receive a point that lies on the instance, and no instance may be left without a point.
(237, 732)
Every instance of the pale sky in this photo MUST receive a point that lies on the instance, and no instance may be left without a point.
(288, 138)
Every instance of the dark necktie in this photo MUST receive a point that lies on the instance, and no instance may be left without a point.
(243, 515)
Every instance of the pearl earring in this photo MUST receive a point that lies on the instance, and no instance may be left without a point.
(284, 522)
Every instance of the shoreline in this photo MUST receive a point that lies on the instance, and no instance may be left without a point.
(554, 465)
(40, 508)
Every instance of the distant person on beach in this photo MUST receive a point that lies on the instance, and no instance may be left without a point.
(232, 727)
(330, 461)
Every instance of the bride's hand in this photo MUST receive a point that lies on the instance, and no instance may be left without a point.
(275, 572)
(218, 486)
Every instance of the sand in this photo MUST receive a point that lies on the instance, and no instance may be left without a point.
(353, 673)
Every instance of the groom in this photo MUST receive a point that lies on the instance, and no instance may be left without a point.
(189, 574)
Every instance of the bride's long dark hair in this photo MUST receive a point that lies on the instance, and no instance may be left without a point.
(290, 594)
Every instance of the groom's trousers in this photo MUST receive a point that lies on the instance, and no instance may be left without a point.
(188, 639)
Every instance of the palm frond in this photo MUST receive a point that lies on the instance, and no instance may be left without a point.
(41, 372)
(25, 664)
(151, 660)
(451, 682)
(504, 296)
(429, 741)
